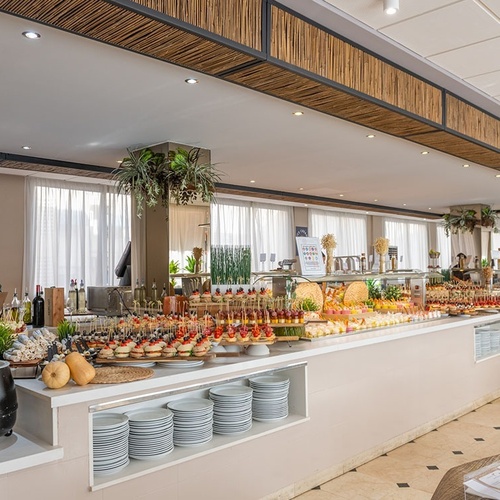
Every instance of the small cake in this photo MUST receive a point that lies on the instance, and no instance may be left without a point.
(228, 295)
(206, 296)
(169, 351)
(153, 350)
(217, 296)
(185, 349)
(137, 351)
(122, 351)
(199, 350)
(195, 297)
(105, 353)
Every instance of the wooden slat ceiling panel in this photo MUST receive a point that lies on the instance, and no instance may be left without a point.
(472, 122)
(457, 146)
(109, 23)
(301, 44)
(285, 84)
(17, 165)
(217, 16)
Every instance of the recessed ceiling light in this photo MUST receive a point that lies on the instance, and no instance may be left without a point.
(301, 189)
(375, 199)
(498, 175)
(26, 147)
(32, 35)
(370, 136)
(430, 208)
(404, 204)
(119, 161)
(298, 113)
(466, 165)
(306, 205)
(191, 81)
(252, 182)
(341, 195)
(424, 153)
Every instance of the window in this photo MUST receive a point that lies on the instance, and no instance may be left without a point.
(411, 238)
(266, 228)
(74, 231)
(444, 247)
(349, 230)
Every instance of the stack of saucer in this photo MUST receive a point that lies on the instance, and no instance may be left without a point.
(232, 409)
(270, 397)
(151, 433)
(110, 442)
(193, 419)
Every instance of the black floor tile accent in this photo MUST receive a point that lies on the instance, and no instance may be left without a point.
(455, 420)
(457, 452)
(434, 430)
(411, 441)
(433, 467)
(317, 488)
(478, 439)
(353, 470)
(497, 428)
(385, 455)
(403, 485)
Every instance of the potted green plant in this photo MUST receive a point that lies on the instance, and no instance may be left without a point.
(154, 178)
(489, 218)
(462, 221)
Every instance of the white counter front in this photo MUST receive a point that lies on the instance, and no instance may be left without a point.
(352, 398)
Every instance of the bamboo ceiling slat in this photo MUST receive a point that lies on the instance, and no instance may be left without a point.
(237, 20)
(458, 146)
(112, 24)
(17, 165)
(287, 85)
(472, 122)
(301, 44)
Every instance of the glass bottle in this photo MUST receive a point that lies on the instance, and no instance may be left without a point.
(142, 293)
(154, 291)
(27, 308)
(363, 263)
(38, 308)
(476, 262)
(81, 298)
(164, 291)
(72, 296)
(14, 306)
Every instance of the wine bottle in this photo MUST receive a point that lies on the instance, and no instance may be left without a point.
(137, 292)
(38, 309)
(72, 297)
(27, 308)
(154, 292)
(14, 306)
(363, 263)
(81, 298)
(142, 294)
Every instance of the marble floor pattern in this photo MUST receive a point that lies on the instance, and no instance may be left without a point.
(414, 470)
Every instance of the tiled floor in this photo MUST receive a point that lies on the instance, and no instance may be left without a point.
(415, 469)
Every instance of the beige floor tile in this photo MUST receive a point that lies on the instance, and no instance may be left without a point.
(319, 495)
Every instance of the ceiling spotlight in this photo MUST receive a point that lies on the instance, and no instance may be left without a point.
(370, 136)
(466, 165)
(430, 208)
(498, 175)
(341, 195)
(191, 81)
(301, 189)
(32, 35)
(404, 204)
(298, 113)
(424, 153)
(252, 182)
(391, 7)
(26, 147)
(375, 199)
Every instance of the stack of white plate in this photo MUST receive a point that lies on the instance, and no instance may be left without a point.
(193, 419)
(151, 433)
(477, 345)
(495, 341)
(270, 397)
(485, 343)
(184, 363)
(232, 409)
(110, 442)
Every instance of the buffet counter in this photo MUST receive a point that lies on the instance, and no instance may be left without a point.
(352, 398)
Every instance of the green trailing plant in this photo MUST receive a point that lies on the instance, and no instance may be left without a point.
(189, 179)
(65, 329)
(154, 178)
(6, 338)
(463, 221)
(489, 218)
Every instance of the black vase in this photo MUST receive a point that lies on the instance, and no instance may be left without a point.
(8, 400)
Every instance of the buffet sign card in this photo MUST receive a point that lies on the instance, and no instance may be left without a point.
(311, 256)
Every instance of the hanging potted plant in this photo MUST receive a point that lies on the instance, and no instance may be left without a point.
(489, 218)
(461, 222)
(154, 178)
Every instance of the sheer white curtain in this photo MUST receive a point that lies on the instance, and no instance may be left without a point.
(73, 230)
(444, 247)
(411, 238)
(185, 232)
(349, 229)
(464, 243)
(266, 228)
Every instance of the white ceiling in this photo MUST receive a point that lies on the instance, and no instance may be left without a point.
(74, 99)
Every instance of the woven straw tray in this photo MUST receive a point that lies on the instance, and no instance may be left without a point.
(120, 374)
